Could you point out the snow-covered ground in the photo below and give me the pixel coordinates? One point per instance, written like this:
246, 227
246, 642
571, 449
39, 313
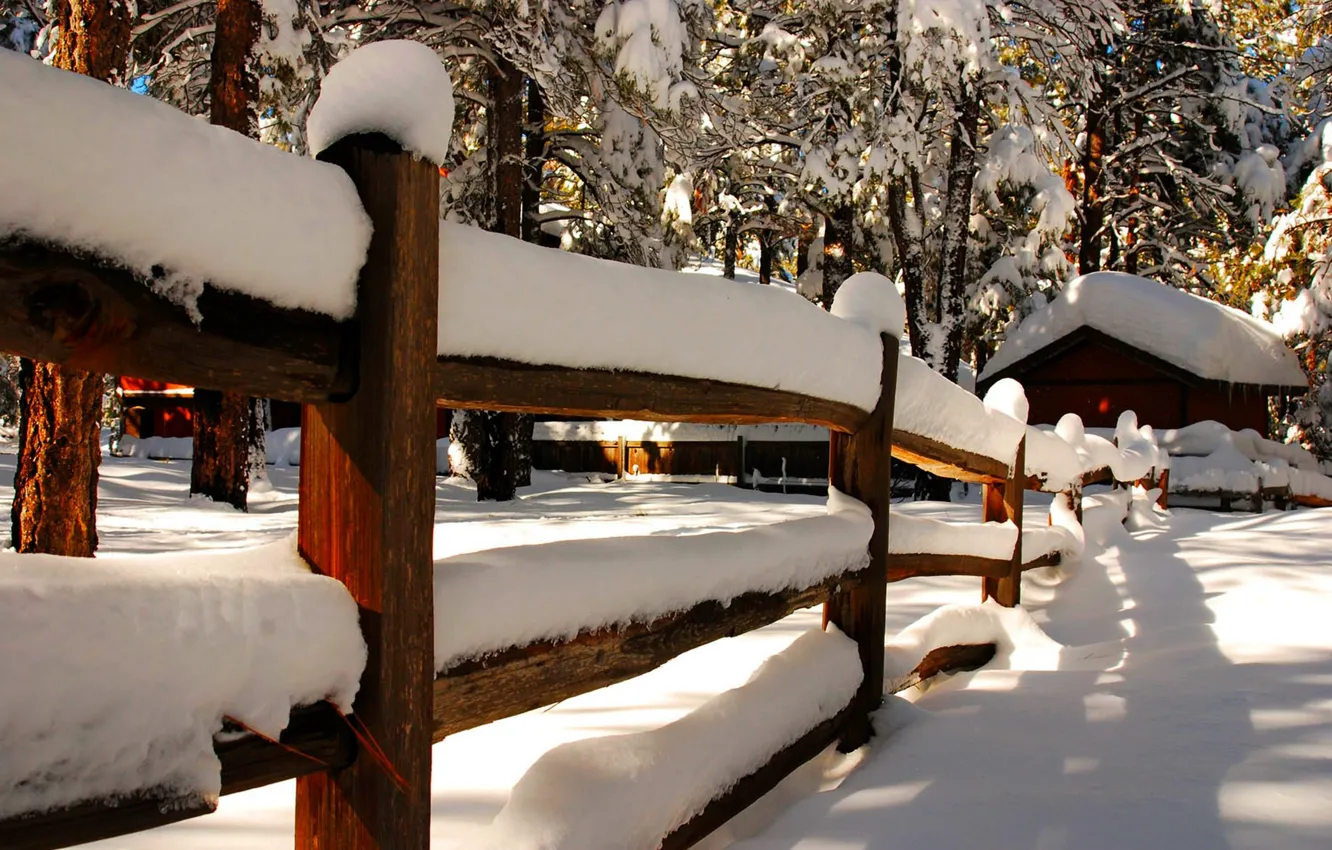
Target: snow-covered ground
1187, 702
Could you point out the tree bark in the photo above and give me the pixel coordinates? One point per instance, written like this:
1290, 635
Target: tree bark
534, 146
261, 421
497, 445
221, 447
233, 87
767, 250
911, 263
222, 420
94, 38
957, 232
730, 246
838, 238
55, 476
55, 479
1093, 178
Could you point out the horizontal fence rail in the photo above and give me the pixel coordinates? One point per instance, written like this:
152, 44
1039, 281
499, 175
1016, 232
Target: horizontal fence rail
520, 679
77, 311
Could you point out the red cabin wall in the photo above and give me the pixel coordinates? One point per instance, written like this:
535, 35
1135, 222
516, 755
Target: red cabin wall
1099, 383
1237, 409
1157, 403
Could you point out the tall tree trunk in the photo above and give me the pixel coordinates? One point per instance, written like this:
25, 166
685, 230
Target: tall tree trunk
1093, 179
730, 245
534, 167
962, 167
838, 239
261, 422
222, 420
492, 442
506, 144
767, 251
55, 476
911, 265
94, 38
534, 147
804, 242
233, 86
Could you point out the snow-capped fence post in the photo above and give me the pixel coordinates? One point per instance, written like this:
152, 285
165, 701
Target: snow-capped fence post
367, 508
1003, 503
859, 465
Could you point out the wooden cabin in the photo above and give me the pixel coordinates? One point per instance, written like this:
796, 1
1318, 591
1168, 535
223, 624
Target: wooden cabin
1113, 342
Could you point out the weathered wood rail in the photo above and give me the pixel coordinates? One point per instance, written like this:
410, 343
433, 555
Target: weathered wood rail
366, 512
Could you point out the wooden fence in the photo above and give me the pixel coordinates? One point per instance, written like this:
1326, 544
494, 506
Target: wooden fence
369, 388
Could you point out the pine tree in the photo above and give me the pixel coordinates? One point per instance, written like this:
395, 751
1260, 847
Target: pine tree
1155, 167
55, 478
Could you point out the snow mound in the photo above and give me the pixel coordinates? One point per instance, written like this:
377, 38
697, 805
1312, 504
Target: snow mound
172, 198
118, 671
909, 535
586, 313
1222, 343
1203, 438
1020, 642
1138, 452
1304, 483
1053, 459
398, 88
928, 404
1225, 470
627, 792
1063, 535
873, 302
1008, 396
555, 590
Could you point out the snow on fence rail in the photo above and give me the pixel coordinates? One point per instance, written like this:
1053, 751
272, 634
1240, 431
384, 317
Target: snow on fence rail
1214, 465
423, 296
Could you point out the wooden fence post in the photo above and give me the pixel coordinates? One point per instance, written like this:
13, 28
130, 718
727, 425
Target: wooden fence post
367, 508
1003, 502
860, 466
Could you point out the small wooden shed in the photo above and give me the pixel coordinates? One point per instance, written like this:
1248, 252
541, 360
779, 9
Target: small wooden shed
1113, 342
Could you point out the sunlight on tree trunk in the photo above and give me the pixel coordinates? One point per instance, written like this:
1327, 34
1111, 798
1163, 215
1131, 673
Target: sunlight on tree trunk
55, 477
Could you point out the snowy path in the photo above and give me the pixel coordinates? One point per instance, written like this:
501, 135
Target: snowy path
1191, 707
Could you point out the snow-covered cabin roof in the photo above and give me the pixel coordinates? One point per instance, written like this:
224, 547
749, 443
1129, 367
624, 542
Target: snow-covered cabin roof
1192, 333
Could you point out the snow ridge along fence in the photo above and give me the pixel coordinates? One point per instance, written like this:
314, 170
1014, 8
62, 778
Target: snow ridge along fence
369, 386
